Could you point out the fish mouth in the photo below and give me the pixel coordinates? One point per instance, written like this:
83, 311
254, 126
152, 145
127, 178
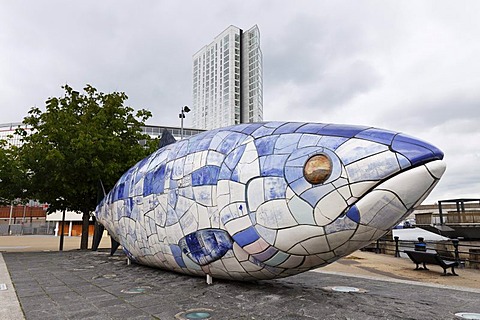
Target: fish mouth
392, 200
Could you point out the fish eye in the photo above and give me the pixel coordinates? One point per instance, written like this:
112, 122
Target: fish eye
317, 169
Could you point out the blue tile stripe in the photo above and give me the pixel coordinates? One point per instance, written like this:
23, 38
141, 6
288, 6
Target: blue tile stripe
246, 236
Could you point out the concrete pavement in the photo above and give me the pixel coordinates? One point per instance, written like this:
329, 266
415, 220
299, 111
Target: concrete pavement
92, 285
9, 305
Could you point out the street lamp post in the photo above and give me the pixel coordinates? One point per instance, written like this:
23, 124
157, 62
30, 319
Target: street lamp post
182, 116
61, 200
10, 219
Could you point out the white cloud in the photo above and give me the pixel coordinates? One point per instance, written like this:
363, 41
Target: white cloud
409, 66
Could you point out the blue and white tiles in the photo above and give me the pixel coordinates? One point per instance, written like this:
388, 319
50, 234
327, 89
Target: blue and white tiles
268, 200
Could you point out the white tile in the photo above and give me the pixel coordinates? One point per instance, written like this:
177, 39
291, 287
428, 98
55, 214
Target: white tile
275, 214
268, 235
237, 225
215, 158
174, 233
247, 140
329, 208
380, 209
218, 138
298, 250
340, 182
250, 267
223, 193
326, 256
188, 222
287, 238
292, 262
409, 186
177, 169
289, 194
309, 140
214, 217
240, 254
233, 211
345, 192
182, 205
200, 160
436, 168
277, 259
190, 264
313, 261
203, 194
189, 164
376, 167
255, 193
157, 160
203, 220
257, 246
359, 188
355, 149
248, 166
237, 191
301, 210
232, 265
339, 238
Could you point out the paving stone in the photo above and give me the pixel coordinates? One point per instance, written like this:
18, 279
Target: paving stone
87, 294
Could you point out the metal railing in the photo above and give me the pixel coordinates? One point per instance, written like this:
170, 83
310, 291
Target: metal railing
452, 217
466, 254
40, 228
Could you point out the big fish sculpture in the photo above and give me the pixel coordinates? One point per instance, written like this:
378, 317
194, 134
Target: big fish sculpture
267, 200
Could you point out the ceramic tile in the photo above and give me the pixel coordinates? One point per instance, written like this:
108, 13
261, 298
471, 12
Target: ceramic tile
234, 202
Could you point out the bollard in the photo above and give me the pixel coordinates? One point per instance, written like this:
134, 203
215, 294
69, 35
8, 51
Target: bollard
209, 279
397, 252
457, 255
377, 248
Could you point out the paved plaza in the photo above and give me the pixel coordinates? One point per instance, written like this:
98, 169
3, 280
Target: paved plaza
94, 285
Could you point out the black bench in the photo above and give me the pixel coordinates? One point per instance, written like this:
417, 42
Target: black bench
431, 257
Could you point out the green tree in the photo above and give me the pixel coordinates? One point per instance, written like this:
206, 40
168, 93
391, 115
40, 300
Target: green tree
13, 178
79, 140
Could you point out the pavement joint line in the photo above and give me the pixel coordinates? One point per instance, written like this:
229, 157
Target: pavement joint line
410, 282
9, 305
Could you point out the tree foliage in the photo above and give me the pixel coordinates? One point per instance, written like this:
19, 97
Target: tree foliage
13, 179
79, 140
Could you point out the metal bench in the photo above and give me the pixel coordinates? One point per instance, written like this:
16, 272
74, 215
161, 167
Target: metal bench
431, 257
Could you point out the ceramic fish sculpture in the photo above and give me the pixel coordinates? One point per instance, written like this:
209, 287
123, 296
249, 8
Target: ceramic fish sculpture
267, 200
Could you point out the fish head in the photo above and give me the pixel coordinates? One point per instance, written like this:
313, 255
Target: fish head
327, 190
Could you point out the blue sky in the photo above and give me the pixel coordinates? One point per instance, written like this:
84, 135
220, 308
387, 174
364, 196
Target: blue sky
409, 66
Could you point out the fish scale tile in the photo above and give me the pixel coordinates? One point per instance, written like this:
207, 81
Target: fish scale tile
234, 203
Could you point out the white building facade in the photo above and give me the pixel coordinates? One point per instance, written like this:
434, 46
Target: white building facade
7, 133
228, 80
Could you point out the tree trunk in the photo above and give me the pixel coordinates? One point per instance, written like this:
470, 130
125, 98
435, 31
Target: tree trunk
84, 240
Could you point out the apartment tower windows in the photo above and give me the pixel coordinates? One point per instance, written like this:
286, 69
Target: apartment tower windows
227, 80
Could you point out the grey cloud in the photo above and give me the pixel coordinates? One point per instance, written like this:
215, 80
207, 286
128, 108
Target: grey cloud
400, 66
297, 54
340, 86
458, 112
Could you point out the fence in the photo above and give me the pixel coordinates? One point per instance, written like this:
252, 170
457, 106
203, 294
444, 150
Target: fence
454, 249
41, 228
451, 217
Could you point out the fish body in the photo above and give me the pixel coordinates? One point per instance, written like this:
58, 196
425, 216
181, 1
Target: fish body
268, 200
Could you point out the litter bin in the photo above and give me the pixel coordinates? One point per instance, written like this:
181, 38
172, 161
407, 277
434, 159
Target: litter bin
420, 245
